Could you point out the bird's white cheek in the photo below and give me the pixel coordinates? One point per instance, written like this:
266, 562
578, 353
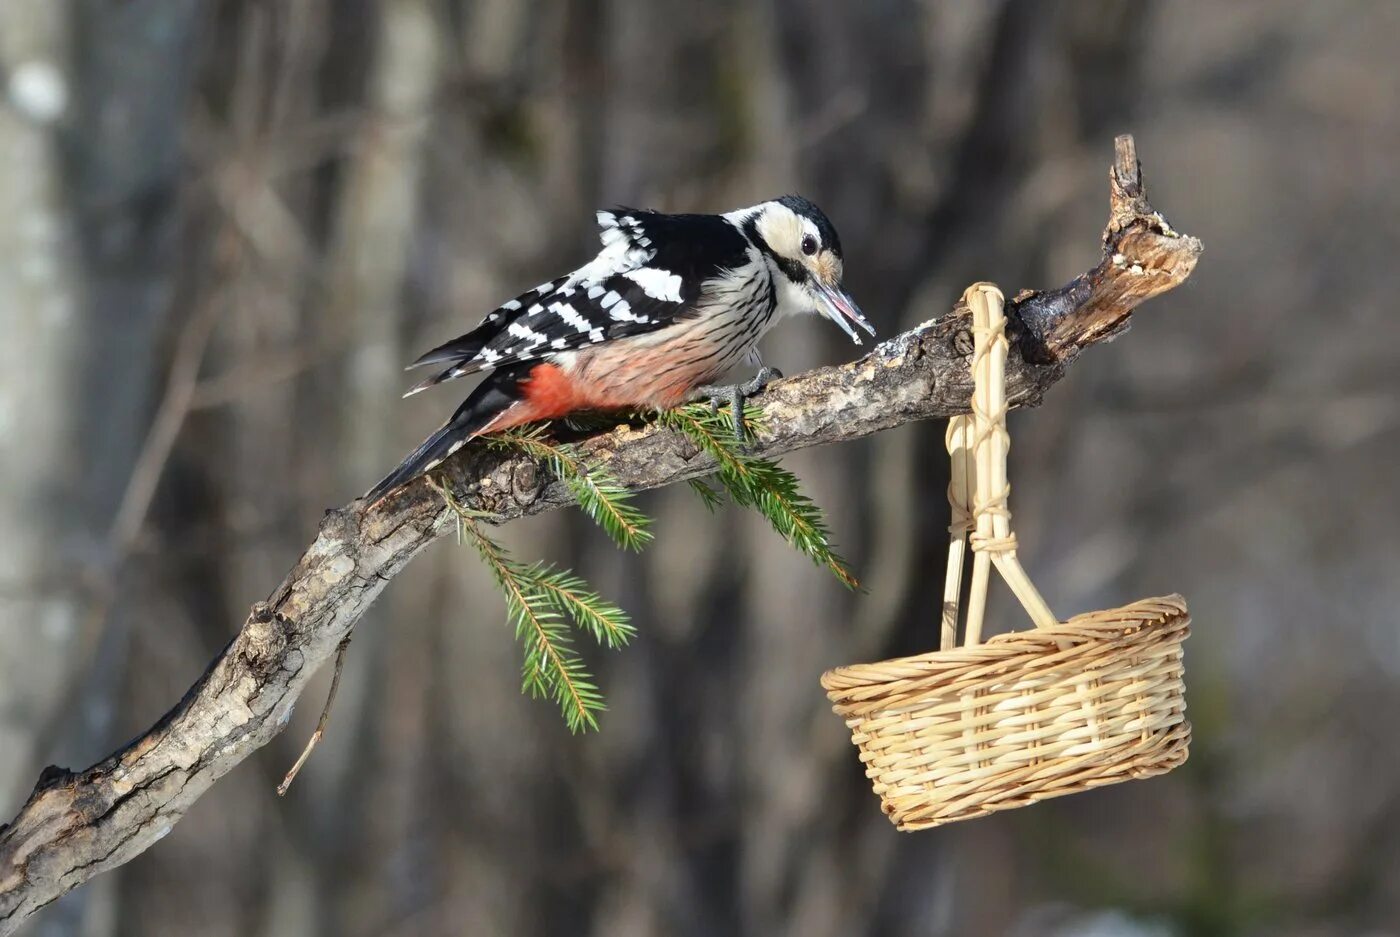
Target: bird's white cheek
794, 299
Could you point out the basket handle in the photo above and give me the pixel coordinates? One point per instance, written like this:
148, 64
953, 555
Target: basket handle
979, 489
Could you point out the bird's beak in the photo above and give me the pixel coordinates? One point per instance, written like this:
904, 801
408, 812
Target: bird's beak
839, 308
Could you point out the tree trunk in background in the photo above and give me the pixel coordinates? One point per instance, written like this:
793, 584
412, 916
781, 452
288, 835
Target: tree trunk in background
91, 146
373, 237
40, 392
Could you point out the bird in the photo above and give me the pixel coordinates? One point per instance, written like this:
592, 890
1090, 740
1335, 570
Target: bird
670, 303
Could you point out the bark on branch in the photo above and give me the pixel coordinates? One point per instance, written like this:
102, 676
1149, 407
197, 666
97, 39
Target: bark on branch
75, 825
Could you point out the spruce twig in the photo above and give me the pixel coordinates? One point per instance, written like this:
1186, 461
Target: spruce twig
601, 496
540, 602
708, 496
761, 484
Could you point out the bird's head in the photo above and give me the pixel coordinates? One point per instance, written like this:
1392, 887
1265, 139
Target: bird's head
804, 247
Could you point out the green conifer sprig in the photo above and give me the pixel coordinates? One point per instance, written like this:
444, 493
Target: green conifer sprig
541, 602
601, 496
761, 484
708, 496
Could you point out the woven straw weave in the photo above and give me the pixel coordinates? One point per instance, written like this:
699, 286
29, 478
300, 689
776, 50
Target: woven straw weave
965, 731
953, 735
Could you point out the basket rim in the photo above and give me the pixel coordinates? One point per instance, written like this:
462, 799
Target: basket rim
1131, 620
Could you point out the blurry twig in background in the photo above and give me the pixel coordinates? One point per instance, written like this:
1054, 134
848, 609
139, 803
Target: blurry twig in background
174, 407
76, 825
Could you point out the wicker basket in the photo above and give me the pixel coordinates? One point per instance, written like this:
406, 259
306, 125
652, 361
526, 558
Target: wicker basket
965, 731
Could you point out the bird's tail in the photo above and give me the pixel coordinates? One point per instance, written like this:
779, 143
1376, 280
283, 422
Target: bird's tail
447, 440
477, 414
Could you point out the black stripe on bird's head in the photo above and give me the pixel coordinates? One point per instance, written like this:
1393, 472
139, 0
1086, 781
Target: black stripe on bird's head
804, 245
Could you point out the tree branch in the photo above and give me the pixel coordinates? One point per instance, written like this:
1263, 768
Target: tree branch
76, 825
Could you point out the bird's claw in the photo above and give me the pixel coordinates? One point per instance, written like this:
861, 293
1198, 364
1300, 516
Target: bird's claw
757, 383
735, 394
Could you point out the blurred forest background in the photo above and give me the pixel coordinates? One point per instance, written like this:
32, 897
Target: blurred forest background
226, 226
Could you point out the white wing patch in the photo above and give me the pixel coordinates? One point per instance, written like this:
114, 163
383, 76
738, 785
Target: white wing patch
524, 332
570, 315
625, 247
658, 284
607, 228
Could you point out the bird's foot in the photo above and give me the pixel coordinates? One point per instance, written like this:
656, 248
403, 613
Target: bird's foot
735, 395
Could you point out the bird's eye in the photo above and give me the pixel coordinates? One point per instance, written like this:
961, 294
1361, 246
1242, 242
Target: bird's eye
809, 245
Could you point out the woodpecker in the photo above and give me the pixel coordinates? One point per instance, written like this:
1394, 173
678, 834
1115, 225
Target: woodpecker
670, 303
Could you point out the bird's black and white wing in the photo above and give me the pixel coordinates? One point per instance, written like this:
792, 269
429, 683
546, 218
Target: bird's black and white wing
652, 270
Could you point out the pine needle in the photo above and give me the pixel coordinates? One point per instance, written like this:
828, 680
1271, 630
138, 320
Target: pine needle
541, 602
708, 496
760, 484
601, 496
607, 622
